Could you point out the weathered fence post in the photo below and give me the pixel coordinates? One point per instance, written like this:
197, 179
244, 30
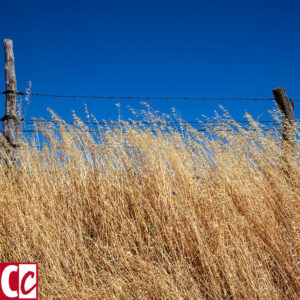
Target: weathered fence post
286, 106
9, 119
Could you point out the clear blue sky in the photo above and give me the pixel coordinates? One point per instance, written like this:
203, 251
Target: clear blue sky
165, 48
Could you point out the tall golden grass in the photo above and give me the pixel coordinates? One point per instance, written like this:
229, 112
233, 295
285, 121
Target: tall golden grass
139, 213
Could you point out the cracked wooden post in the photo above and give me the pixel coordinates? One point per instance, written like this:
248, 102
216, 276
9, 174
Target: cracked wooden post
9, 119
286, 106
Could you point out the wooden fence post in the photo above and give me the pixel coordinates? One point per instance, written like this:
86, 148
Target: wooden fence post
9, 119
286, 106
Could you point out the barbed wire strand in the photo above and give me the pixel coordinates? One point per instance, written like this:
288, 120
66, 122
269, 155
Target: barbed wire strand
167, 123
170, 131
146, 98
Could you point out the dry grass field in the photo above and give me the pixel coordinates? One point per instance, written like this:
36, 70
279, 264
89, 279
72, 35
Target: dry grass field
139, 213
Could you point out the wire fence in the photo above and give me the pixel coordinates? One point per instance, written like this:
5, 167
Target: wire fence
27, 124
